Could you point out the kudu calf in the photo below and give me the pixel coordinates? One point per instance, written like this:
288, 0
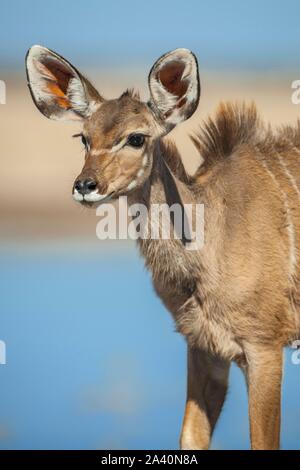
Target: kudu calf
236, 299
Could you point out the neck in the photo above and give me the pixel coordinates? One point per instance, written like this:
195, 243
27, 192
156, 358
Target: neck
168, 184
167, 153
168, 181
168, 256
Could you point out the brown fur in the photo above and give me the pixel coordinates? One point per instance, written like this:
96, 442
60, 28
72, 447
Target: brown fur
238, 298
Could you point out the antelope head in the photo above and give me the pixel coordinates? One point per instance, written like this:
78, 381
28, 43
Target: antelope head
119, 135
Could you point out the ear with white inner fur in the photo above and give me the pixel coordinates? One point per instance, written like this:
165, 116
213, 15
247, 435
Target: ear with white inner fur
175, 86
58, 90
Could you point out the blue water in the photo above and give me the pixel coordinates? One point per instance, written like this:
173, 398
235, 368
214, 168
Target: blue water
93, 360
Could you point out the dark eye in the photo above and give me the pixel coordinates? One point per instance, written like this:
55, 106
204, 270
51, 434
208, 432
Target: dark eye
136, 140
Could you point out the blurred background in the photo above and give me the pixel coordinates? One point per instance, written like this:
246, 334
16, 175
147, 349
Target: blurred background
92, 358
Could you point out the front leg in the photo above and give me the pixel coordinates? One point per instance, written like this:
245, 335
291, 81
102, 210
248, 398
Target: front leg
206, 391
264, 375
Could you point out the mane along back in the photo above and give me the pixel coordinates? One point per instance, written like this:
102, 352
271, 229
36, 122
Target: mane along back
233, 126
289, 136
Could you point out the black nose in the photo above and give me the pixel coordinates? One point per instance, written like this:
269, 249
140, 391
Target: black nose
85, 186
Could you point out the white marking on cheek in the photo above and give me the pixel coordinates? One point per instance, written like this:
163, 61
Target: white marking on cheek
94, 196
140, 173
95, 152
98, 152
132, 185
117, 147
77, 196
145, 160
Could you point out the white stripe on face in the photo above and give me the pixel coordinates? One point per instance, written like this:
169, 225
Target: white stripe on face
114, 149
118, 146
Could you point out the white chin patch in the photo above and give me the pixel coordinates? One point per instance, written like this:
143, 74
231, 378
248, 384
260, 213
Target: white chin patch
94, 196
77, 196
91, 197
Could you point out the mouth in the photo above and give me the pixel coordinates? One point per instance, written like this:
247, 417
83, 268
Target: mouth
92, 198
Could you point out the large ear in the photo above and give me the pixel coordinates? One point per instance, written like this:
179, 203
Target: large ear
58, 90
175, 86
